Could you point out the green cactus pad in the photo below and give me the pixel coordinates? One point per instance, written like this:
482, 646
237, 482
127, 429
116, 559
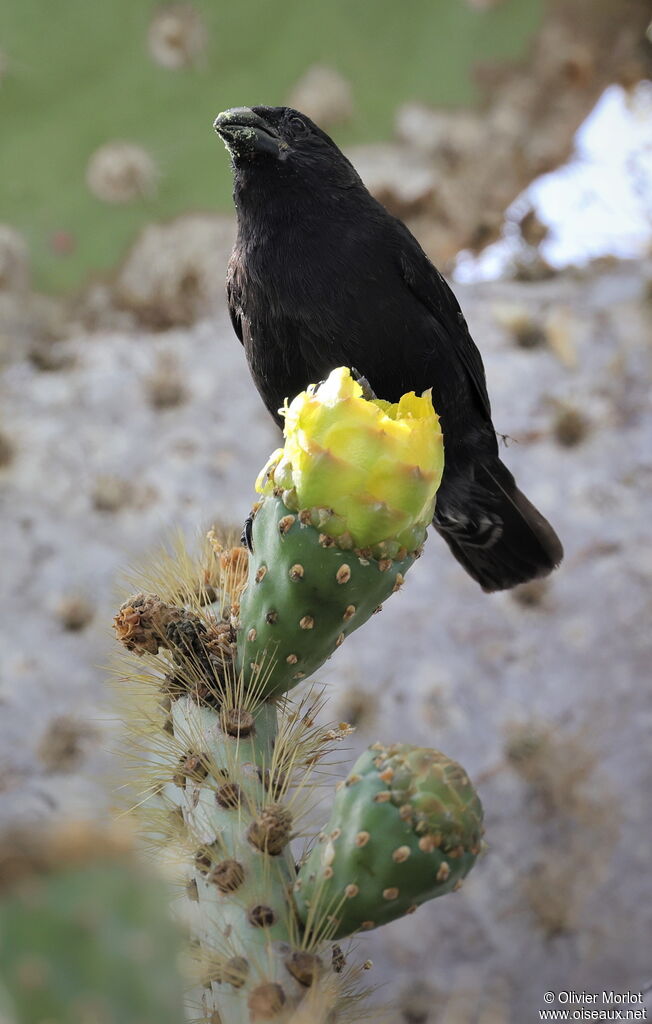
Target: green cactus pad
406, 827
304, 595
91, 942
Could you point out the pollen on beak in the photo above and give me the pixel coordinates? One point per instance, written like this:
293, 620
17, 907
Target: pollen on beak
246, 134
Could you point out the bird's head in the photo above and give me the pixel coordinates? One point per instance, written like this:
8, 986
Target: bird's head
281, 144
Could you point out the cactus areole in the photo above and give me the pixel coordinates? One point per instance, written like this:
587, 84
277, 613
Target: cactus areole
345, 508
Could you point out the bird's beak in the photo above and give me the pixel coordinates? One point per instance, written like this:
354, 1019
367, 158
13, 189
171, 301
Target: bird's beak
246, 134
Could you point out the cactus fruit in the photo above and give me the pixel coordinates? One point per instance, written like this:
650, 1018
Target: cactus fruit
85, 932
405, 827
303, 597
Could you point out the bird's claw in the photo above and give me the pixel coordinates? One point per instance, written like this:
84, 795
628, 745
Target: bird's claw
367, 390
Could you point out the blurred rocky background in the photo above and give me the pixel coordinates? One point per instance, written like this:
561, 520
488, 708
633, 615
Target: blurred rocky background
126, 414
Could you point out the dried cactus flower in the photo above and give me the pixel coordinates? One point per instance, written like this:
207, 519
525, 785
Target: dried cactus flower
142, 621
121, 172
235, 561
177, 36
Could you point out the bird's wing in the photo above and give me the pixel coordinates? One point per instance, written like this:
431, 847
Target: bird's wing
429, 287
233, 297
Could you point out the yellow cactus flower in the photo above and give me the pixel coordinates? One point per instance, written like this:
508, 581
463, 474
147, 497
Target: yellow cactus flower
368, 469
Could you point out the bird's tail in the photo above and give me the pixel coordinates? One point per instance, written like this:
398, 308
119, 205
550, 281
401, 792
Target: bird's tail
492, 529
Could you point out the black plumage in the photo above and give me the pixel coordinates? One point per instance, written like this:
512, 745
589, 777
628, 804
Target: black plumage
321, 276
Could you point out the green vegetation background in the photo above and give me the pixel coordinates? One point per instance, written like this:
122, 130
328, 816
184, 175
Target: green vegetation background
80, 75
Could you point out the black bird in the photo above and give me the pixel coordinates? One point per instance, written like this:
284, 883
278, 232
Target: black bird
321, 276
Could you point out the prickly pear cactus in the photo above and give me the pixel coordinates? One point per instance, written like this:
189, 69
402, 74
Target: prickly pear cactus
405, 827
88, 939
304, 596
343, 513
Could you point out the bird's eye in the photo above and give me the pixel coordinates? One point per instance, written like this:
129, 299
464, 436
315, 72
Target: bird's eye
298, 126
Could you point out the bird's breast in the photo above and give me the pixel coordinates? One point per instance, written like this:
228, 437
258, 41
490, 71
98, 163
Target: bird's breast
315, 303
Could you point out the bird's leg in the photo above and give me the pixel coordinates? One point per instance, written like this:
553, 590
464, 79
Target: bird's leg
245, 538
367, 390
